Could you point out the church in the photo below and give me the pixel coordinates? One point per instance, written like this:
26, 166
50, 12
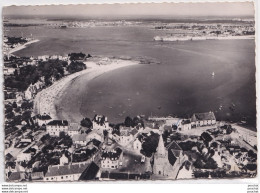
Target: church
168, 160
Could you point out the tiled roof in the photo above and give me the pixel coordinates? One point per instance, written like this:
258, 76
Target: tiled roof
66, 169
58, 123
203, 116
134, 131
74, 127
79, 137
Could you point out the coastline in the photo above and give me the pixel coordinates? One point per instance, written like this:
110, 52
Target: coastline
188, 38
48, 99
22, 46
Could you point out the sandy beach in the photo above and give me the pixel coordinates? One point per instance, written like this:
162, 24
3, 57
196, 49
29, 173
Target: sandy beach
46, 101
22, 46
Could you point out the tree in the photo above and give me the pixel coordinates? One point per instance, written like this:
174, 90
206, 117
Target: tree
86, 122
26, 115
129, 122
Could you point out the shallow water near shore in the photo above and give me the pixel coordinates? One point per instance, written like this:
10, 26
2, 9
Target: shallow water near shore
180, 85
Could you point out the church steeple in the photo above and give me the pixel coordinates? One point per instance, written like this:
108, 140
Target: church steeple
160, 151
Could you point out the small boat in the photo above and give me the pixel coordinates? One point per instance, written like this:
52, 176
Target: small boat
213, 74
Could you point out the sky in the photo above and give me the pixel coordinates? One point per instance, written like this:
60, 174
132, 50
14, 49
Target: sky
149, 9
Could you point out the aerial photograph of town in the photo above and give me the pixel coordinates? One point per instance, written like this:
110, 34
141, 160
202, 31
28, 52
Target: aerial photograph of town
132, 92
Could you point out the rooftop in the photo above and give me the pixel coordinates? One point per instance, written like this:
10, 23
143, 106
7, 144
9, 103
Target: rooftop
203, 116
66, 169
58, 123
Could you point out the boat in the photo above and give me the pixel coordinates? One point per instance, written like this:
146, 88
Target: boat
213, 74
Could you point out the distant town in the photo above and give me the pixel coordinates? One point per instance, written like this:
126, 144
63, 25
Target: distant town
40, 147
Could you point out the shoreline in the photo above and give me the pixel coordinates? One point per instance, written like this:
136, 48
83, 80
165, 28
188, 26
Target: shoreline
22, 46
188, 38
46, 100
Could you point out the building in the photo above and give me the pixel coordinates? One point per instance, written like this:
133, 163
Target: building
100, 123
94, 135
137, 145
167, 161
23, 157
203, 119
63, 160
73, 129
55, 127
70, 172
127, 135
79, 139
111, 159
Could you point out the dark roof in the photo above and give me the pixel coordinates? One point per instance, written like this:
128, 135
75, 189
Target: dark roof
171, 157
186, 121
66, 169
112, 154
203, 116
9, 157
206, 137
134, 131
44, 117
90, 172
59, 123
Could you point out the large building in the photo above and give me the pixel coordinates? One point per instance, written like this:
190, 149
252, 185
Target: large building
111, 159
65, 173
203, 119
167, 161
55, 127
74, 129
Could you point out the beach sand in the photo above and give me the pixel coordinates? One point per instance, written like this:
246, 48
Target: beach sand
22, 46
48, 99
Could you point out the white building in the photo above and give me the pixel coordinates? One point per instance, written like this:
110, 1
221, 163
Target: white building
79, 139
23, 157
100, 123
63, 160
65, 173
203, 119
111, 159
55, 127
137, 145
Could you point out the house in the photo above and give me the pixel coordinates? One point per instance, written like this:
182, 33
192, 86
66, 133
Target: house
79, 139
100, 123
63, 160
137, 145
90, 172
23, 157
203, 119
43, 119
73, 129
126, 136
55, 127
37, 176
70, 172
185, 125
94, 135
16, 177
111, 159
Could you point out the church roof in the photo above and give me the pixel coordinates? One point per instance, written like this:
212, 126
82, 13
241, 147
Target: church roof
160, 148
